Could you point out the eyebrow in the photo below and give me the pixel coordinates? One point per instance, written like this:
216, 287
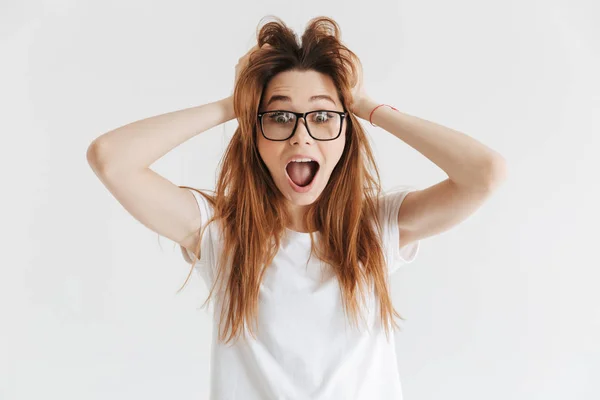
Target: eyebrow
280, 97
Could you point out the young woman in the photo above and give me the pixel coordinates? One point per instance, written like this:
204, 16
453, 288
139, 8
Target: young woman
298, 239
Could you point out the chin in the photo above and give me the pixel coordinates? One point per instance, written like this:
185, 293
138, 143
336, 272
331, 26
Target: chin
302, 200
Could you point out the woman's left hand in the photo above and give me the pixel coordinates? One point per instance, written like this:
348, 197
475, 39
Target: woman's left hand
361, 102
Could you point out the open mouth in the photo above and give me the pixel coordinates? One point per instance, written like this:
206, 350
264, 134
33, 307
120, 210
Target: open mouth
302, 173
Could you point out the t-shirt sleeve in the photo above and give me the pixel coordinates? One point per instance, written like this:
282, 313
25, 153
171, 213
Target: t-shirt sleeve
388, 207
206, 249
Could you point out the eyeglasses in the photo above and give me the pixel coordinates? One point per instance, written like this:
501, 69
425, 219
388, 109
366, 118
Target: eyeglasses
279, 125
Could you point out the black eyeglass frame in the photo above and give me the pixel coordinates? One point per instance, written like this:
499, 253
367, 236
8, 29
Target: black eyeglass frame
298, 115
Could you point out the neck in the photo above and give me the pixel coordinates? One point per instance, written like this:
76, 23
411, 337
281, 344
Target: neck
297, 214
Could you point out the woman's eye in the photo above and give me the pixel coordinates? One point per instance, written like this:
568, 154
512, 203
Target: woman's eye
322, 117
280, 118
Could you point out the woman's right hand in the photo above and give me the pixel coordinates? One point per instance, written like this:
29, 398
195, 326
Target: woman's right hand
244, 60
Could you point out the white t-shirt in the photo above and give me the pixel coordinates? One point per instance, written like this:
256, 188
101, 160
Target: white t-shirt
306, 348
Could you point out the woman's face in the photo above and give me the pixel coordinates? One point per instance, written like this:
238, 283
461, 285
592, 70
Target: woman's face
298, 87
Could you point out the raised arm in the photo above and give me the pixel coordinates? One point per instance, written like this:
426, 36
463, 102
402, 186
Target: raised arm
122, 157
474, 172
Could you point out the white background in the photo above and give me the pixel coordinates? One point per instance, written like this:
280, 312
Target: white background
503, 306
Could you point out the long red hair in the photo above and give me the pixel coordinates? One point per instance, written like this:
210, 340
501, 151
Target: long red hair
345, 213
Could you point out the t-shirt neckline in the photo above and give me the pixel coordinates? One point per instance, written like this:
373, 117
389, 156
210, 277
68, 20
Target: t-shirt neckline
296, 233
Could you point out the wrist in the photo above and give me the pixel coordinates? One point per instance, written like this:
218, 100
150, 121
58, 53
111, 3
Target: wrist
365, 106
373, 114
228, 111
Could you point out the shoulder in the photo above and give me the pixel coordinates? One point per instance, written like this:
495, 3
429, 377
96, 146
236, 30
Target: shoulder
389, 202
205, 212
397, 245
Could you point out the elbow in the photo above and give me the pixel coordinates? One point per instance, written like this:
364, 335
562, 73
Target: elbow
96, 156
496, 172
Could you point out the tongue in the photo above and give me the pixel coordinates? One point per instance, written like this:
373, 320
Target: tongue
302, 173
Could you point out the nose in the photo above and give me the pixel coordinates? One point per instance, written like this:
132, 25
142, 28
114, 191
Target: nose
301, 134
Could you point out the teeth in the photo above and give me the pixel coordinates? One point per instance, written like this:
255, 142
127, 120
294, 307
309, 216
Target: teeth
302, 160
